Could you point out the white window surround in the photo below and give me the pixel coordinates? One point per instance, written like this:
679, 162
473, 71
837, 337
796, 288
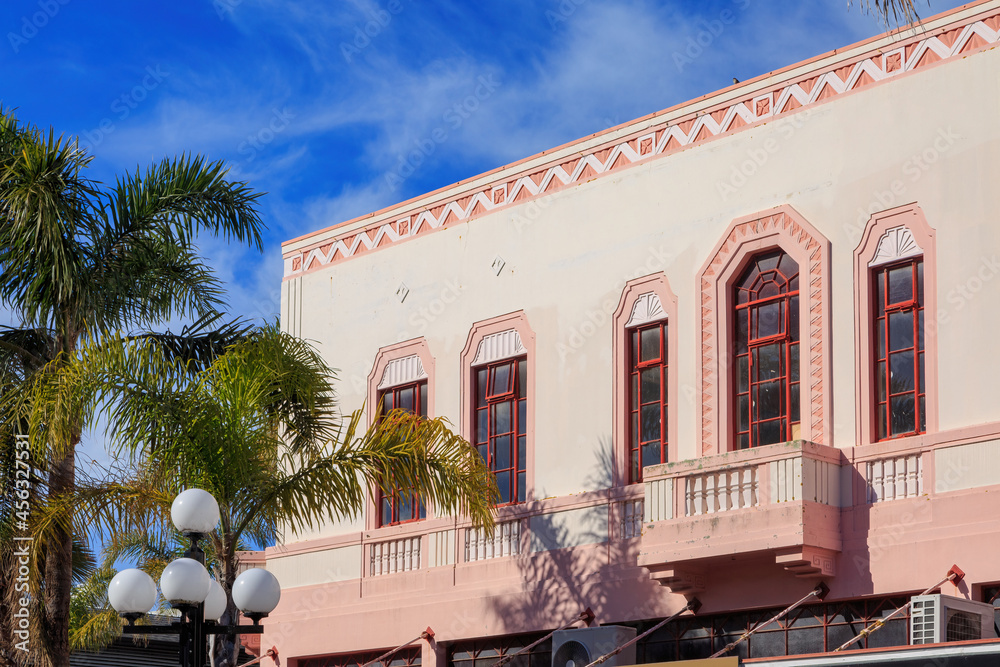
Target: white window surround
895, 244
402, 371
502, 345
647, 308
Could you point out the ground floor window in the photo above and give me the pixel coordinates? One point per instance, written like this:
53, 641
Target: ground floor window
408, 657
485, 652
811, 629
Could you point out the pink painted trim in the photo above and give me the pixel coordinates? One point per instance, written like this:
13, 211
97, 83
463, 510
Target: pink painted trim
913, 218
517, 321
419, 347
655, 135
780, 227
657, 284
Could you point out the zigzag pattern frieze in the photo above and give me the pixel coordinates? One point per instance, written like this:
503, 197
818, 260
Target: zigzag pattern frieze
872, 67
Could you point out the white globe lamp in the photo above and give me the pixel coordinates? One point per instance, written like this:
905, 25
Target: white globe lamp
256, 592
132, 592
195, 511
215, 602
185, 581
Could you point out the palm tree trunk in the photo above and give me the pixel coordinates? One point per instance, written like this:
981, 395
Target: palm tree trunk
225, 651
59, 564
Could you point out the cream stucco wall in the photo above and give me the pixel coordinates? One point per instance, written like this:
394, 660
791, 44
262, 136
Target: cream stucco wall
567, 256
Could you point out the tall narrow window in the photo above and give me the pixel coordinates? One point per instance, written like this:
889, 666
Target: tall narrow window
766, 351
500, 418
402, 506
901, 401
647, 398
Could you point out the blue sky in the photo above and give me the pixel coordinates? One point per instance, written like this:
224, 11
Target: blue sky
323, 103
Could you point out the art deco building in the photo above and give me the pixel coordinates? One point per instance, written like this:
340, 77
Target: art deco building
730, 350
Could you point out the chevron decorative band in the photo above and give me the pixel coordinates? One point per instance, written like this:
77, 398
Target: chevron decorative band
650, 142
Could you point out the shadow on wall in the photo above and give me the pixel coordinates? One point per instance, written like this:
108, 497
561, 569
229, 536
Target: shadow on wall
577, 558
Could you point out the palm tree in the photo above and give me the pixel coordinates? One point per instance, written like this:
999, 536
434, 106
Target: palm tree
890, 10
257, 428
78, 261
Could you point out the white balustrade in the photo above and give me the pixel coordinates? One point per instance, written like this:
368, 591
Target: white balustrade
630, 515
503, 540
894, 478
708, 493
400, 555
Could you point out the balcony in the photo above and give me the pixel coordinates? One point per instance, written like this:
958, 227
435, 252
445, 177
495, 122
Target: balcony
782, 500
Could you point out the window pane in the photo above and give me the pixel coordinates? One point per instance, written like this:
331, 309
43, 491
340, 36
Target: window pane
481, 427
793, 318
900, 284
743, 442
788, 266
900, 330
650, 454
881, 381
903, 416
520, 487
742, 332
768, 361
634, 347
768, 433
481, 376
407, 398
503, 481
522, 378
650, 389
423, 399
743, 373
769, 288
769, 319
769, 400
769, 262
522, 416
501, 417
650, 416
743, 412
649, 344
501, 380
405, 506
880, 293
923, 414
387, 403
522, 453
482, 452
920, 283
386, 510
880, 421
901, 368
923, 386
501, 449
634, 391
793, 369
635, 429
880, 336
794, 400
920, 330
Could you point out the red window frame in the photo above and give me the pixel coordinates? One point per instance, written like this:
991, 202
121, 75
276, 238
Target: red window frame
766, 378
401, 506
898, 375
499, 419
648, 399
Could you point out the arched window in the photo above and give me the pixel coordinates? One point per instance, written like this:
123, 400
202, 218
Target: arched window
766, 350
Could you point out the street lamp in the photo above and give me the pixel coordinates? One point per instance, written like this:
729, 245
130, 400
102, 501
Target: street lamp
187, 586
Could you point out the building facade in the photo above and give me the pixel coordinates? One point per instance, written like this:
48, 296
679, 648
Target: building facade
728, 350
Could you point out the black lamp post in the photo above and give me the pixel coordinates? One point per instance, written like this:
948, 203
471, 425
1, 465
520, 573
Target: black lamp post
187, 586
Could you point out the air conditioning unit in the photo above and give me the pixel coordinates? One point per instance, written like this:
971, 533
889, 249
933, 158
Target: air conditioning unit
943, 618
582, 646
